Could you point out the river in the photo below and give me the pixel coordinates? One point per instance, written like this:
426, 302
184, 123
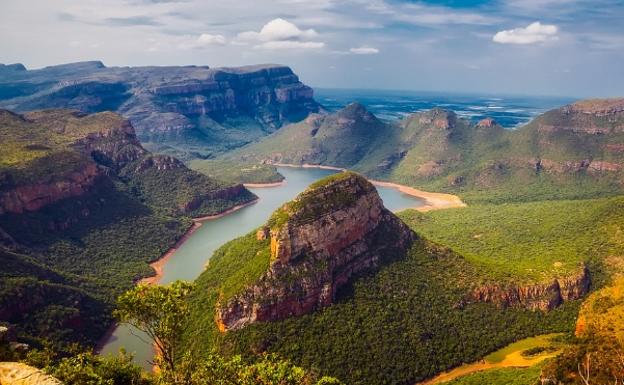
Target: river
191, 257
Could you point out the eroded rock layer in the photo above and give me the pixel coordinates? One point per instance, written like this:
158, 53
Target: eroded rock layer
336, 229
543, 296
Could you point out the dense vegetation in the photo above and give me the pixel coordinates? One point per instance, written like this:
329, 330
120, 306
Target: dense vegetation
504, 376
557, 156
174, 188
596, 356
97, 259
374, 336
532, 241
67, 262
410, 308
235, 172
159, 311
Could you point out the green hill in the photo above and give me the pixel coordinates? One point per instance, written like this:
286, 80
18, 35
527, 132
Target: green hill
415, 316
83, 209
568, 153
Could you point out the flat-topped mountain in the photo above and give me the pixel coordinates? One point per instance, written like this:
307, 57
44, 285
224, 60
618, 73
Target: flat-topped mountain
192, 108
83, 209
334, 230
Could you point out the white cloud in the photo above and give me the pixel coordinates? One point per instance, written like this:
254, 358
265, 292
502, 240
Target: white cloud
533, 33
208, 39
364, 50
202, 41
278, 29
290, 44
280, 34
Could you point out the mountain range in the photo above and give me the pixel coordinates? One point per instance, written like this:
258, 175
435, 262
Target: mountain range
192, 111
574, 149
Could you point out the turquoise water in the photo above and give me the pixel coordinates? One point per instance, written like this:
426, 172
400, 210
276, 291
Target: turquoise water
189, 260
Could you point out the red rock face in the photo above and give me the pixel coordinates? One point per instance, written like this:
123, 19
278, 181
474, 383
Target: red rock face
486, 123
546, 296
312, 257
35, 196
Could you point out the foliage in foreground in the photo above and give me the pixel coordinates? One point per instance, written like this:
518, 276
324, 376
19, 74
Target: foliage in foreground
159, 311
597, 356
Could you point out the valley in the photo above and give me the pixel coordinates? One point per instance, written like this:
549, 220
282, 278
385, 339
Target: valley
355, 247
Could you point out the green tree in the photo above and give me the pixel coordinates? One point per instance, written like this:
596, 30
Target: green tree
89, 369
159, 311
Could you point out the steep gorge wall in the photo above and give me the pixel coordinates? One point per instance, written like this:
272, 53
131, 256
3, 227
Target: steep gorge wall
543, 296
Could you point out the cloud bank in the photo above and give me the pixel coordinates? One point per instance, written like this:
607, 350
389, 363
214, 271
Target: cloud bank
280, 34
531, 34
364, 50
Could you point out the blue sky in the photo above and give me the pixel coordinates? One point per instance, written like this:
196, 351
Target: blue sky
536, 47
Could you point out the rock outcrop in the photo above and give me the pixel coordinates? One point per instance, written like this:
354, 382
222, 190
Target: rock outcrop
544, 296
331, 232
32, 197
15, 373
64, 154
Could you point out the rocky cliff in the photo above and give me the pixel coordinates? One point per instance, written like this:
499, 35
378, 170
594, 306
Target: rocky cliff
318, 242
542, 296
58, 154
194, 107
15, 373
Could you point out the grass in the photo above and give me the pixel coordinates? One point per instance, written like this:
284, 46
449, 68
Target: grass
522, 345
234, 172
530, 242
504, 376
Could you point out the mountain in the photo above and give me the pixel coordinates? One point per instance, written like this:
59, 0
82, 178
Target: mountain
331, 232
574, 151
83, 209
189, 111
335, 282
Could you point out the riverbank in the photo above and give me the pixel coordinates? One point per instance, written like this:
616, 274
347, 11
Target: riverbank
507, 357
159, 264
433, 201
263, 185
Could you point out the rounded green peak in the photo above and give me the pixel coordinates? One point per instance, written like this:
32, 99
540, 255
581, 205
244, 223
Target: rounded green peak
328, 194
333, 179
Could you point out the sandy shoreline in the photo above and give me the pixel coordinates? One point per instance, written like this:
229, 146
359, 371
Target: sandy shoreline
159, 264
263, 185
433, 201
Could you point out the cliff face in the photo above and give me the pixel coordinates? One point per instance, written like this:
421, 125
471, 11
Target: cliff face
318, 242
203, 108
58, 154
32, 197
545, 296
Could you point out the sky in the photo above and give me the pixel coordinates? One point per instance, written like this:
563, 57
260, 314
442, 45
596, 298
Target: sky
531, 47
